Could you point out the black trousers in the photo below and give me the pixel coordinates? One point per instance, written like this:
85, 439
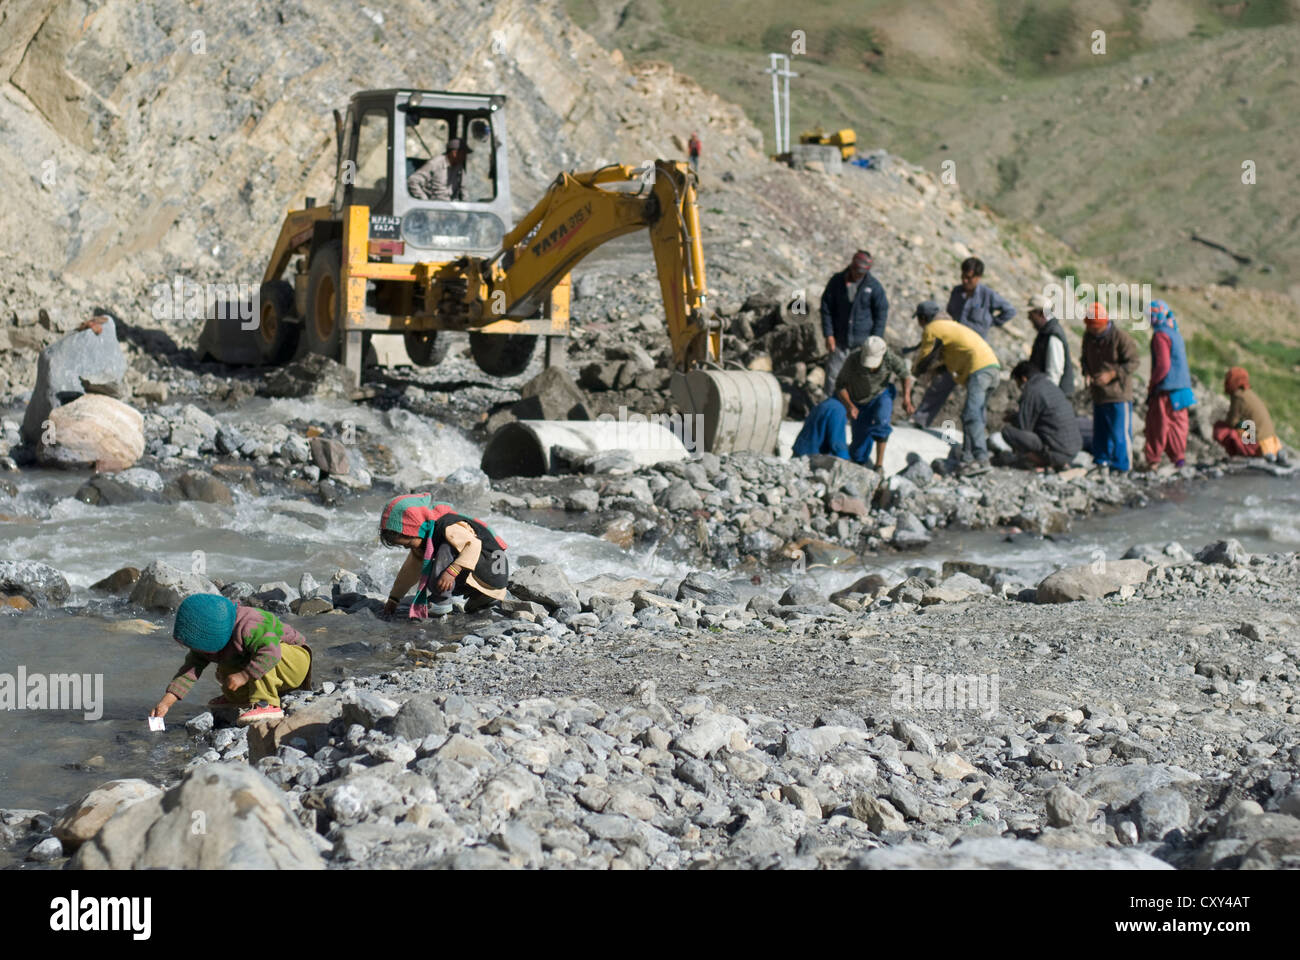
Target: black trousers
1025, 441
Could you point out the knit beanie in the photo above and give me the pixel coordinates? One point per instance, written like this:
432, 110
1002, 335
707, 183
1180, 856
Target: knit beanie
1095, 319
1237, 379
204, 622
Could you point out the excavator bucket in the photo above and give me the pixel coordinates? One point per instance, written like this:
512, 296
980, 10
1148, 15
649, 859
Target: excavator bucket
742, 409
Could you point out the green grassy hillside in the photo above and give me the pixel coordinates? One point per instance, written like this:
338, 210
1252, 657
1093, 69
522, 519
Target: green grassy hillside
1124, 155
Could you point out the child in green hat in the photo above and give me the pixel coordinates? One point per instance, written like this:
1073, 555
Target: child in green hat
258, 657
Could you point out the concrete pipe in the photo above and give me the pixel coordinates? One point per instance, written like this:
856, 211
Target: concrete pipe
523, 448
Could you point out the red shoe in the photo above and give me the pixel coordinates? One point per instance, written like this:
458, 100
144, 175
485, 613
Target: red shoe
257, 714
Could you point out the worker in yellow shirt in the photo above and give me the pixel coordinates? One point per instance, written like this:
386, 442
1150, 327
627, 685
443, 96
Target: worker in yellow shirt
972, 363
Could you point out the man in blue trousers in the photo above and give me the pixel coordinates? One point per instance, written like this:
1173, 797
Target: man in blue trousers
867, 386
824, 431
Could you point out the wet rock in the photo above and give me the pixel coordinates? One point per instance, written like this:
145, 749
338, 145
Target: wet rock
197, 485
1158, 554
61, 368
312, 376
46, 851
910, 533
37, 582
310, 606
163, 587
92, 431
119, 582
330, 455
1090, 581
247, 826
547, 584
83, 819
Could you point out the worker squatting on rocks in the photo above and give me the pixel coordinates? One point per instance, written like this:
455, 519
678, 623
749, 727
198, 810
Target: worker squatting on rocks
1169, 393
969, 361
1044, 431
1248, 430
854, 308
1109, 360
450, 554
971, 304
259, 658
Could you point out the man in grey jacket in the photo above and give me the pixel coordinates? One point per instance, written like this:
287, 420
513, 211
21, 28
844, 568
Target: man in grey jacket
854, 309
974, 305
1045, 431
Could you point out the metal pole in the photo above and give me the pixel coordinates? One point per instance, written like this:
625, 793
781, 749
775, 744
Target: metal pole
785, 69
776, 101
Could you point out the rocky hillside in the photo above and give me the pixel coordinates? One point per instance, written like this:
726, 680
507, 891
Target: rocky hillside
162, 138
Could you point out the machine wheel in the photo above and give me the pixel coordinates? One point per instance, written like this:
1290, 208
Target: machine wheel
425, 347
323, 325
502, 354
277, 335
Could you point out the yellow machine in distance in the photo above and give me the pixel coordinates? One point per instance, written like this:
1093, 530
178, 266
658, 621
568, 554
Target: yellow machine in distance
845, 139
380, 260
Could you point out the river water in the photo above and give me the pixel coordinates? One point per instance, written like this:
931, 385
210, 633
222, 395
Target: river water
47, 757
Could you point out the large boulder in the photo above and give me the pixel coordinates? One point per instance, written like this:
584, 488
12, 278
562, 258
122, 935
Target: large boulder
221, 816
95, 358
163, 587
551, 395
38, 582
1089, 581
83, 819
547, 584
312, 376
92, 430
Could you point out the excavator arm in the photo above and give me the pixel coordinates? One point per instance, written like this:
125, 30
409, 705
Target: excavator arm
577, 215
735, 409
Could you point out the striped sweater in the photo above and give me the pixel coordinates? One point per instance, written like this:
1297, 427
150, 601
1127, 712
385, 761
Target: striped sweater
254, 648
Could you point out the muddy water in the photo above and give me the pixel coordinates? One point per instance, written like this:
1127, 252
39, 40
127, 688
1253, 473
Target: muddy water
48, 756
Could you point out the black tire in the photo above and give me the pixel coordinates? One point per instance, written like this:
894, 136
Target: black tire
322, 328
425, 347
277, 333
502, 354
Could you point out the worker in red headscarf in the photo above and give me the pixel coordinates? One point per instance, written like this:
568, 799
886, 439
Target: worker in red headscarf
1109, 360
1248, 430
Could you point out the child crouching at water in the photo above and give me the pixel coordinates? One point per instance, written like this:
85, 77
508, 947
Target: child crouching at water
449, 554
258, 657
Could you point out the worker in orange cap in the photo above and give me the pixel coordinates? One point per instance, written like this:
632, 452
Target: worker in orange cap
1109, 360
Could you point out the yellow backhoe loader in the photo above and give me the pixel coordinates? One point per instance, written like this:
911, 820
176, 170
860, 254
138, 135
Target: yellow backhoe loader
379, 261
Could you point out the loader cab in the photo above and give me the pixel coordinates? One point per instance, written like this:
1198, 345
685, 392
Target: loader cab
387, 136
